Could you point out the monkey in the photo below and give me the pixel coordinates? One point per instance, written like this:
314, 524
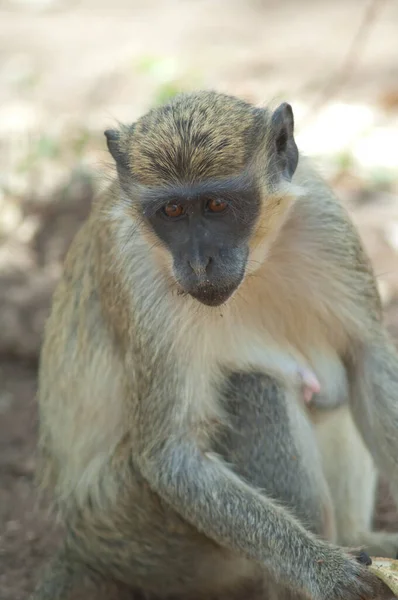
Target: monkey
216, 272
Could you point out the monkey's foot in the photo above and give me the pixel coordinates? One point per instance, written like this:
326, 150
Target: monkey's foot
378, 543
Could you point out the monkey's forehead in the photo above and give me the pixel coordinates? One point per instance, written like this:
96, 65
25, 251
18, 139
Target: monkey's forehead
195, 136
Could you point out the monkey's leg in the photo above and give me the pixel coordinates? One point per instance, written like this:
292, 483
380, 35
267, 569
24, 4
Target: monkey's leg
373, 374
352, 479
350, 473
60, 579
65, 578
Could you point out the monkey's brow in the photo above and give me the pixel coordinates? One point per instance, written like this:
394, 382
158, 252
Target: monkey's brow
231, 188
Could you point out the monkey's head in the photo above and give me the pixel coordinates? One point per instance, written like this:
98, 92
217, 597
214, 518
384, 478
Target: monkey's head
207, 175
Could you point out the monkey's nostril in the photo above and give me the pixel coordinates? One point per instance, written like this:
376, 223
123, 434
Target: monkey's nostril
199, 267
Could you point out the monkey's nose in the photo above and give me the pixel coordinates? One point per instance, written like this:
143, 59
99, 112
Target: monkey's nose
200, 266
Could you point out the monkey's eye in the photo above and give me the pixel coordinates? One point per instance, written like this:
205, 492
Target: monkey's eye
216, 205
173, 210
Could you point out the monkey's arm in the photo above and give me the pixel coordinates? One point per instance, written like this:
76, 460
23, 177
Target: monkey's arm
374, 401
217, 502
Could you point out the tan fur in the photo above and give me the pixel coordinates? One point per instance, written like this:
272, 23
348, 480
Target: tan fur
309, 297
191, 139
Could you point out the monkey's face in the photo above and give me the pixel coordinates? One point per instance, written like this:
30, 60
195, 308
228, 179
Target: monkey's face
194, 169
207, 228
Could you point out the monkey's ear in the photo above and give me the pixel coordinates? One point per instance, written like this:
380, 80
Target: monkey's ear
282, 124
113, 143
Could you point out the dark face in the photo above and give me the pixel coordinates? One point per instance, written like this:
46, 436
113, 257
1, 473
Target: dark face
206, 228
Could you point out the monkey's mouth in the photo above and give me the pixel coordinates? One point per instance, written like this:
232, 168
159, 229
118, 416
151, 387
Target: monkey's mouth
211, 289
213, 295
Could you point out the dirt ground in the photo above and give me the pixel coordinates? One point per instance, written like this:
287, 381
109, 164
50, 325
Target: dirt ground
68, 70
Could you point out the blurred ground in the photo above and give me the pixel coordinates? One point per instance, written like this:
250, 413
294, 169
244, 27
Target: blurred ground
69, 70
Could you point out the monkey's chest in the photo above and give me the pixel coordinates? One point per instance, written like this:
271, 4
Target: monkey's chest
281, 359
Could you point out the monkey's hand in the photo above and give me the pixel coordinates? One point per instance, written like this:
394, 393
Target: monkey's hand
346, 577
